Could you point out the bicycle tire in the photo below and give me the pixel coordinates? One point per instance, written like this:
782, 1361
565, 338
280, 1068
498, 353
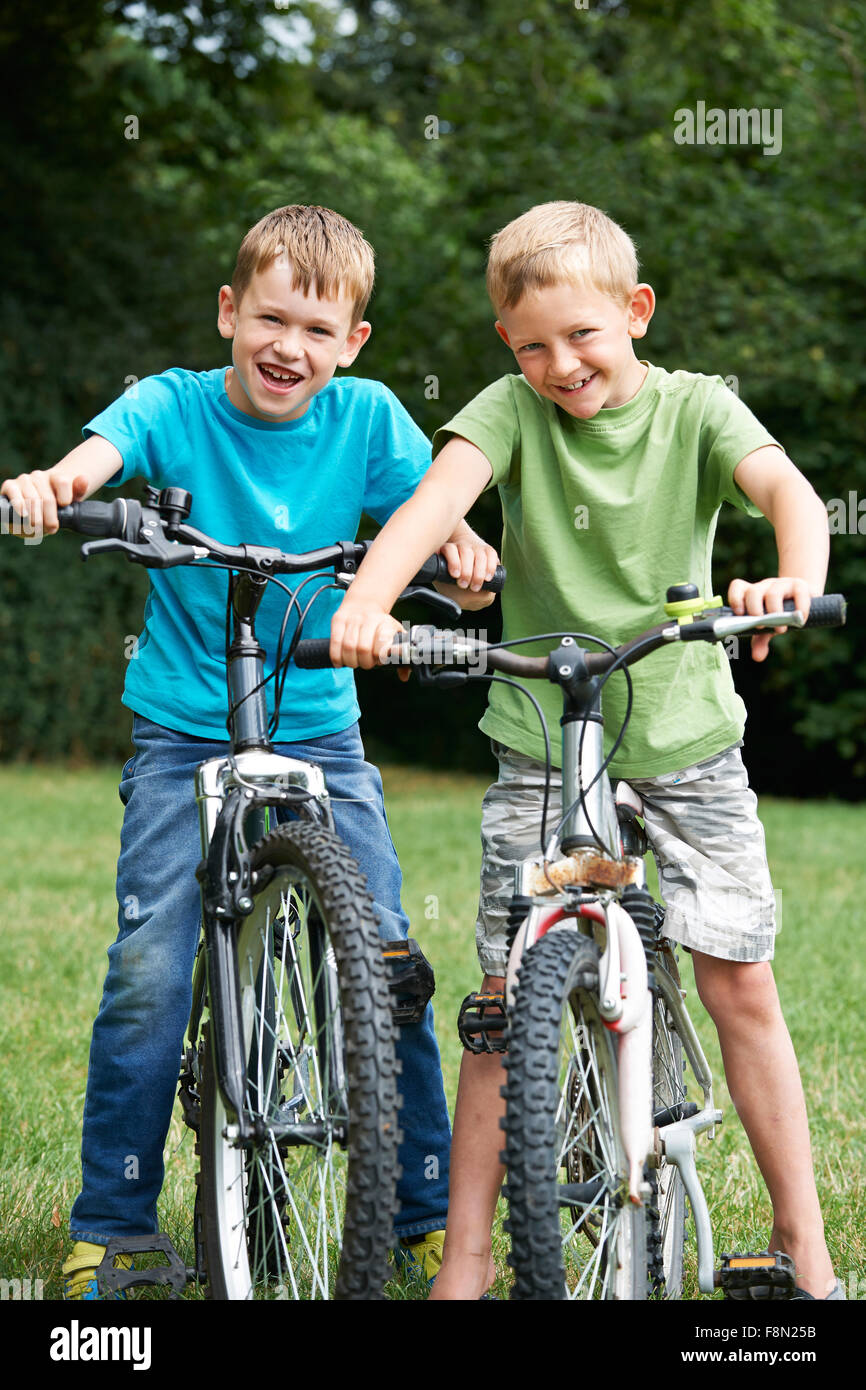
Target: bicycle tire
667, 1226
562, 1126
314, 1219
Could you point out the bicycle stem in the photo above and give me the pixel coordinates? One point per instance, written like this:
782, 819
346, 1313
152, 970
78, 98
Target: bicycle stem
594, 816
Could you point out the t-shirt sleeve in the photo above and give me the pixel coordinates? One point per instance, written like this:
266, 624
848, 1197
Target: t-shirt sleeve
398, 456
138, 424
729, 431
490, 422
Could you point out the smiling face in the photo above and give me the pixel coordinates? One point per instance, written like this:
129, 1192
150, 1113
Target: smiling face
285, 345
574, 346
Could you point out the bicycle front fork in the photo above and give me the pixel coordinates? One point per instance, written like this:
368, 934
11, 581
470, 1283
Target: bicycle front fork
235, 795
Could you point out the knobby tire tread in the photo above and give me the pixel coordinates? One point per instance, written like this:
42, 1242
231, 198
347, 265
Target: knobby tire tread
532, 1096
371, 1065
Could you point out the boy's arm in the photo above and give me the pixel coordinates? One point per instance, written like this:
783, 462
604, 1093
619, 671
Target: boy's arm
37, 495
361, 629
799, 518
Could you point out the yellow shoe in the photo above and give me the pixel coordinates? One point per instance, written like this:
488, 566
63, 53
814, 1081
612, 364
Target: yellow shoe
80, 1267
421, 1255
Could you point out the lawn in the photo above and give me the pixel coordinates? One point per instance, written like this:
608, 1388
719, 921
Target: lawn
59, 846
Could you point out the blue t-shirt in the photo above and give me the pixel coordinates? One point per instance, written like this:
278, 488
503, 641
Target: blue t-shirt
295, 486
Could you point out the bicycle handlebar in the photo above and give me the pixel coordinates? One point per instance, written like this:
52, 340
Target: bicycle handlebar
161, 541
429, 647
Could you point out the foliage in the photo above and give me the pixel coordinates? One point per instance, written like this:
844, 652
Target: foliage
431, 125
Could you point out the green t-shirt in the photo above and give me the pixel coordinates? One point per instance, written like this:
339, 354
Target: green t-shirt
600, 517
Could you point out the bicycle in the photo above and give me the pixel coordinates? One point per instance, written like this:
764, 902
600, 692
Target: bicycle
289, 1076
600, 1141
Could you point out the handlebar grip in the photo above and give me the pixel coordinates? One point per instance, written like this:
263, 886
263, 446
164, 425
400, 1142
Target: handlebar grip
825, 610
94, 518
90, 518
436, 568
313, 653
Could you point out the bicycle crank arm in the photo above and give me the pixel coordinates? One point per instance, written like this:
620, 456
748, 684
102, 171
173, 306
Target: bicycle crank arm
677, 1143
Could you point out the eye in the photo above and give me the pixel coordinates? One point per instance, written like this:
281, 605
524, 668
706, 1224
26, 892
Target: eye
270, 318
581, 332
530, 347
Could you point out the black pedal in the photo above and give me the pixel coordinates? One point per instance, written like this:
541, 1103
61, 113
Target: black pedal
413, 983
174, 1272
756, 1277
482, 1023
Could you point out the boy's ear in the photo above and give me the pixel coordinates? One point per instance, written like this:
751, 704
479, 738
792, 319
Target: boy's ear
355, 341
227, 317
640, 310
500, 329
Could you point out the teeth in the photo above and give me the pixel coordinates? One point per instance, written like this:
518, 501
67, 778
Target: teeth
575, 385
280, 376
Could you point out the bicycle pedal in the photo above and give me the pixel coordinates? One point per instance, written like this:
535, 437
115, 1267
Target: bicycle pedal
413, 983
758, 1277
482, 1022
174, 1272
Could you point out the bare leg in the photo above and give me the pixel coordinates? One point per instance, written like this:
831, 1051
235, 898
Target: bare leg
476, 1174
764, 1081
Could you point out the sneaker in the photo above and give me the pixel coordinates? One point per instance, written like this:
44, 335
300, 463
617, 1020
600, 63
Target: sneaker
80, 1269
837, 1291
421, 1255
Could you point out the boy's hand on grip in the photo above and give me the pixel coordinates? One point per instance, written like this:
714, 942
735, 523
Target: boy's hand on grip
767, 596
362, 634
36, 496
471, 561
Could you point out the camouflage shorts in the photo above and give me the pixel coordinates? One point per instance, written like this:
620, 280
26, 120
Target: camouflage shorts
708, 844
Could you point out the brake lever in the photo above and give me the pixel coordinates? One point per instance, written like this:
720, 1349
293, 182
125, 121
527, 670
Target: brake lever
717, 628
724, 627
154, 554
432, 599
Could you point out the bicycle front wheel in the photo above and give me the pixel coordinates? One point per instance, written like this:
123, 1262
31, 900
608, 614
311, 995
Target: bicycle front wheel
306, 1210
574, 1232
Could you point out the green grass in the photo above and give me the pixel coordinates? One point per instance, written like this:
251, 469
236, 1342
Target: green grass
60, 841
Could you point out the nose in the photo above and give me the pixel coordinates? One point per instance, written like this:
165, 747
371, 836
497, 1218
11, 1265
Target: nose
564, 360
287, 344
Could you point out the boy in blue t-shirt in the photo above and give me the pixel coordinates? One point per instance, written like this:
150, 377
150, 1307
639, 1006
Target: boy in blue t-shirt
277, 452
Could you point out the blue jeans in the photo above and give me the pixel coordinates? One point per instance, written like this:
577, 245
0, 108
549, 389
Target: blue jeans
139, 1031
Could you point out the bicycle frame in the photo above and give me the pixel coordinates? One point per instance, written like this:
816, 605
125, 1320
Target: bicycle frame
580, 891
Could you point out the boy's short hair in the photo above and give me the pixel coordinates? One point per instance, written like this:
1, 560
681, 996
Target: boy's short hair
561, 242
319, 244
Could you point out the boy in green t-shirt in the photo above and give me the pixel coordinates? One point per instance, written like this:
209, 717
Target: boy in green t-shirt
611, 474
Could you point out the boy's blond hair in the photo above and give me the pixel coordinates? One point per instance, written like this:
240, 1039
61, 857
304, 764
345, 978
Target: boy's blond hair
320, 246
561, 242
